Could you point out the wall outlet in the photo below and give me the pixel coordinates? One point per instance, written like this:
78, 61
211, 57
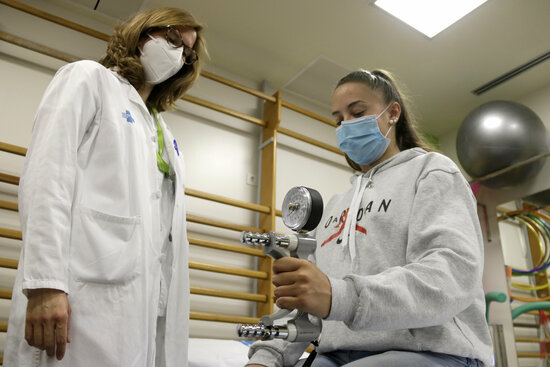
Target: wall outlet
251, 179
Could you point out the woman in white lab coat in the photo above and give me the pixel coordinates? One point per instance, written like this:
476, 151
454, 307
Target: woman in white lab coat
103, 276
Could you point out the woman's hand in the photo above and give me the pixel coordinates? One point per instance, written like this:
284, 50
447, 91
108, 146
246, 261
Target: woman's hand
48, 321
301, 285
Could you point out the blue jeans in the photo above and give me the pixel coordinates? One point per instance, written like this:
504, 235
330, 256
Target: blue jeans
352, 358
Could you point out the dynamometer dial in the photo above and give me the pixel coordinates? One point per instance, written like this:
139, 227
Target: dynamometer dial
302, 209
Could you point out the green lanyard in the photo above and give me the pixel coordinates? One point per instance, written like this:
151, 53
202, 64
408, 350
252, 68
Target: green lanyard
161, 163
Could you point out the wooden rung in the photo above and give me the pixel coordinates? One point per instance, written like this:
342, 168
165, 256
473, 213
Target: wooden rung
309, 140
222, 109
15, 149
36, 47
531, 340
11, 233
524, 324
221, 224
223, 318
8, 263
55, 19
5, 294
229, 294
228, 270
532, 355
225, 246
9, 205
307, 113
14, 180
229, 201
241, 87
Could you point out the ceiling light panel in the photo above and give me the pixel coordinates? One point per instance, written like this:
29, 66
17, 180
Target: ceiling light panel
429, 16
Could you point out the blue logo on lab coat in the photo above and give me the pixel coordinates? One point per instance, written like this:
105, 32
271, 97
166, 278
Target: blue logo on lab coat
176, 147
128, 116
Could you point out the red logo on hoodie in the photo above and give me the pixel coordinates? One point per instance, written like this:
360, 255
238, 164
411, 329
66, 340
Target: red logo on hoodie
340, 227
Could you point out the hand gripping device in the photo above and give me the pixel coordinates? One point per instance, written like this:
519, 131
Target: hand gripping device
302, 211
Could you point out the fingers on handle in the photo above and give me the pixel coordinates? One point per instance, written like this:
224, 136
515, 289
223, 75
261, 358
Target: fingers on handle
285, 264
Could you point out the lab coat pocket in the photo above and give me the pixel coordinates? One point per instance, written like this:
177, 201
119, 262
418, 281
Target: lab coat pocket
104, 248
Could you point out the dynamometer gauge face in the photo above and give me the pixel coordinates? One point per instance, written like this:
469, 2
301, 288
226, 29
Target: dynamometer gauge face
302, 209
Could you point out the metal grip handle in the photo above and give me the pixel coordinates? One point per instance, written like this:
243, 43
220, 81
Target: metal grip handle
251, 330
254, 239
273, 245
254, 331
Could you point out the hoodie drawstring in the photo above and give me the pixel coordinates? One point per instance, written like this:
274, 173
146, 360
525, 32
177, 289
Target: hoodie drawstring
348, 237
370, 182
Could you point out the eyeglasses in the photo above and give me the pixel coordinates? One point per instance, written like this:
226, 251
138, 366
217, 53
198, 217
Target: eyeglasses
173, 36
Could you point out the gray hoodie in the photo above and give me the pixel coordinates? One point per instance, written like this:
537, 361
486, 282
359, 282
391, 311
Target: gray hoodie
408, 277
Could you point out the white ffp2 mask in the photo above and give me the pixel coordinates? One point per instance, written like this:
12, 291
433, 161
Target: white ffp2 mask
160, 60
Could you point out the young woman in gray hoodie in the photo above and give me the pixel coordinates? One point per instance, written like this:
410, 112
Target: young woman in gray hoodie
396, 277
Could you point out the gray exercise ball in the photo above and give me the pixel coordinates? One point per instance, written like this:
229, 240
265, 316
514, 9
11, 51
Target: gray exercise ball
497, 135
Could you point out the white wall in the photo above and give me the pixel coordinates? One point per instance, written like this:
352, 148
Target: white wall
219, 150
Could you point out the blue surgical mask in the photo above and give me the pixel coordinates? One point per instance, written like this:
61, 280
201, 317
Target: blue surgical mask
362, 140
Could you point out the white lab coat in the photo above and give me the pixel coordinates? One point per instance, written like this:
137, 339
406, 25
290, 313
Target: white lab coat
89, 206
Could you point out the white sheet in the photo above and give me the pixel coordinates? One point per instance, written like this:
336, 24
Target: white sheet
218, 352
